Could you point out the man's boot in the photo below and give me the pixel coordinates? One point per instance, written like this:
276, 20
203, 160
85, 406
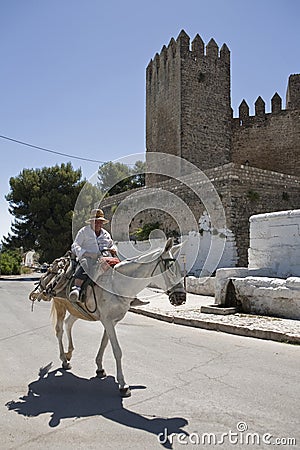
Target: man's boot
75, 294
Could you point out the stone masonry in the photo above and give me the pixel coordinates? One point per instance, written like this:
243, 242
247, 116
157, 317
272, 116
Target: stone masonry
188, 112
252, 161
244, 191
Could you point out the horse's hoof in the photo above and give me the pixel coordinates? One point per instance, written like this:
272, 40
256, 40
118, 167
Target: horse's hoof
100, 373
66, 366
125, 391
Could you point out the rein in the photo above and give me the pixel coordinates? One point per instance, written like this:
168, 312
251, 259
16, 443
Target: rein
177, 294
95, 300
164, 261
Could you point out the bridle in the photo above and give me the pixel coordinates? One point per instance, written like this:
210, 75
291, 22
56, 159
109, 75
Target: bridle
177, 294
164, 262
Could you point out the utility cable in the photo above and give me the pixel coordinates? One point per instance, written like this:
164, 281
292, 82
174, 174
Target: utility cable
51, 151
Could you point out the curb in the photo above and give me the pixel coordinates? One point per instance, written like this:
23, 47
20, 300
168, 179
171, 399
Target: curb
257, 333
224, 328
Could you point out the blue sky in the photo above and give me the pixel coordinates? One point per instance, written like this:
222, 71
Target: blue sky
72, 75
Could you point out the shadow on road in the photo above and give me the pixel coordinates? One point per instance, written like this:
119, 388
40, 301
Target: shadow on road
66, 395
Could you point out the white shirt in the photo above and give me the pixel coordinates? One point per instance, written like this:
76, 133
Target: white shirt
87, 241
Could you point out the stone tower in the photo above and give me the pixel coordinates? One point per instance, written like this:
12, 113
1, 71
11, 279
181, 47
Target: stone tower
253, 161
188, 104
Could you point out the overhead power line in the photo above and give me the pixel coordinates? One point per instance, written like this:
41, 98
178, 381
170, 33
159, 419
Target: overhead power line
51, 151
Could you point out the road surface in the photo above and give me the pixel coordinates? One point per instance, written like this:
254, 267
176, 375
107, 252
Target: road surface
210, 389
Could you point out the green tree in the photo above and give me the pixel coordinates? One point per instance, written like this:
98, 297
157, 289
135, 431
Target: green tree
10, 262
42, 203
142, 233
138, 172
118, 177
90, 197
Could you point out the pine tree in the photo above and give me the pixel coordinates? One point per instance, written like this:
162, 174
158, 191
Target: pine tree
118, 177
42, 202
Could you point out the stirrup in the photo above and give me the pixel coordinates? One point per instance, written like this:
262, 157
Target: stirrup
74, 294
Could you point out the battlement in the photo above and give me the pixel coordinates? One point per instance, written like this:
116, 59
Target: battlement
183, 47
292, 103
244, 118
268, 140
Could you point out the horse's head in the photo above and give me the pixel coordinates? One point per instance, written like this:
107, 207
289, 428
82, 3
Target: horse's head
171, 273
159, 267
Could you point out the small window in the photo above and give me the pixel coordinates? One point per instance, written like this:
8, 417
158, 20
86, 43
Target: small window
201, 77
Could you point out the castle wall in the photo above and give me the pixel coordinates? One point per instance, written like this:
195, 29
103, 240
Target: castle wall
244, 191
270, 141
252, 161
256, 191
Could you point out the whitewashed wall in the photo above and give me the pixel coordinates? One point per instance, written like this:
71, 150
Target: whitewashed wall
201, 254
275, 242
216, 249
28, 260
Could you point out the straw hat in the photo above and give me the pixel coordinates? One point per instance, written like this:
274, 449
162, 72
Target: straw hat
97, 214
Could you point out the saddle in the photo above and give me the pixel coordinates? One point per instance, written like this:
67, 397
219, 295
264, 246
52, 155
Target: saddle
105, 263
111, 260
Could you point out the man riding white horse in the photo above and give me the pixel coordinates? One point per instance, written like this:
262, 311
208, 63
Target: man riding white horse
110, 297
90, 244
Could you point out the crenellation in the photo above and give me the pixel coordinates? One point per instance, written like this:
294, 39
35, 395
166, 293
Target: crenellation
197, 47
149, 72
212, 49
164, 54
275, 146
276, 103
243, 112
183, 43
156, 63
260, 107
172, 48
225, 54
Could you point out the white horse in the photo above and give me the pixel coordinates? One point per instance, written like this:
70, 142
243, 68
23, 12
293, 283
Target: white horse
111, 297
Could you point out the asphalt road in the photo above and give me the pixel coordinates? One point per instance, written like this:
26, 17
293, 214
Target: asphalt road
202, 385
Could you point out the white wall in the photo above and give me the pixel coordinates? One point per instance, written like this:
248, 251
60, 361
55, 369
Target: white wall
28, 260
201, 254
275, 242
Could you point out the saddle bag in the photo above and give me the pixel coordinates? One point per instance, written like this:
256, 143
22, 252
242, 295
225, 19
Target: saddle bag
55, 279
